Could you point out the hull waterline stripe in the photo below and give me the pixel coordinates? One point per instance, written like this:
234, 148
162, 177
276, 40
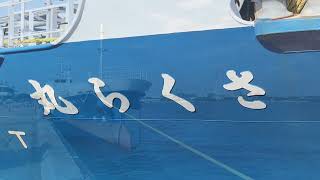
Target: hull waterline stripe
197, 120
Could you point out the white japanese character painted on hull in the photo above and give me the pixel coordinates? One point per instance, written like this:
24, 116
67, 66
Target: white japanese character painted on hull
51, 104
108, 100
168, 85
243, 82
19, 135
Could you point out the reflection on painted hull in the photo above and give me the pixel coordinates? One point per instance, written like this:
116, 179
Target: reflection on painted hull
157, 138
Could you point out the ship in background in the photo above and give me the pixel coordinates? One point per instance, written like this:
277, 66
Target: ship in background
129, 44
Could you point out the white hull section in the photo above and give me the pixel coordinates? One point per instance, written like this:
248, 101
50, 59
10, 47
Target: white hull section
124, 18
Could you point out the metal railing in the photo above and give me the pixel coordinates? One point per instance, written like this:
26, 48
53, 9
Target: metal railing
23, 26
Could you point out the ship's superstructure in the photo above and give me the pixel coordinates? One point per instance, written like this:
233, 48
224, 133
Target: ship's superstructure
24, 24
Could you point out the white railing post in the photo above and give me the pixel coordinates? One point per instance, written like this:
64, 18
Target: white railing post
31, 19
1, 38
54, 21
11, 23
22, 19
48, 3
69, 11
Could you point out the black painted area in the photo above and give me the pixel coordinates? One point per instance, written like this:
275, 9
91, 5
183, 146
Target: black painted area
288, 42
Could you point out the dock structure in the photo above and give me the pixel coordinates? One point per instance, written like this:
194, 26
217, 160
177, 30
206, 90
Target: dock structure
32, 22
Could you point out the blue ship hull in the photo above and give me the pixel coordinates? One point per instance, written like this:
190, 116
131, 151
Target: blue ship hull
158, 139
